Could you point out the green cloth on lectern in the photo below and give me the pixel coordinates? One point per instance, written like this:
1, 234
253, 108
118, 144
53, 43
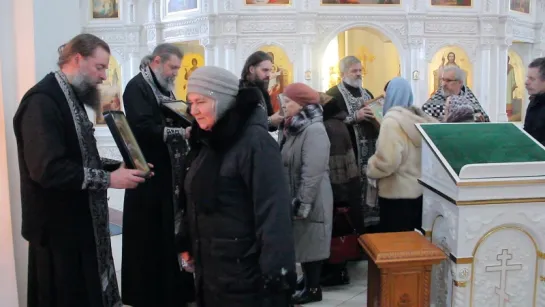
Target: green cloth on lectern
463, 144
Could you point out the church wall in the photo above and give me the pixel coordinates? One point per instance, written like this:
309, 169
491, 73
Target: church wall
17, 58
64, 17
230, 30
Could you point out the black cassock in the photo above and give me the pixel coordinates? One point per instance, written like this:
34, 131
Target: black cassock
150, 273
64, 202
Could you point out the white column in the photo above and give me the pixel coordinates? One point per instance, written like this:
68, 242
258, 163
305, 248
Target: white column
229, 54
416, 69
211, 56
485, 87
501, 102
306, 54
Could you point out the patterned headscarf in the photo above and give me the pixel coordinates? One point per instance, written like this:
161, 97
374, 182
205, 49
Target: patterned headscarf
459, 109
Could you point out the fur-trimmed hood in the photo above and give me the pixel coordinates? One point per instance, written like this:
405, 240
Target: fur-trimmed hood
249, 109
407, 118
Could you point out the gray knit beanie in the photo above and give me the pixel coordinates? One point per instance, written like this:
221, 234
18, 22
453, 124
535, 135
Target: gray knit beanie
217, 83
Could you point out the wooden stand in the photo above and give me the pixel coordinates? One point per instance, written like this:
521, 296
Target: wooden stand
399, 268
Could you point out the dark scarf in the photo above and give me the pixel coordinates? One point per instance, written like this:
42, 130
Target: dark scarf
209, 147
295, 124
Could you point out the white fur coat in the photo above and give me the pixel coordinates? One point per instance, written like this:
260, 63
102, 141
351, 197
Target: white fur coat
397, 161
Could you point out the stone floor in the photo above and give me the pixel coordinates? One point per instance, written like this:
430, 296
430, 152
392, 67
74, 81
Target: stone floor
352, 295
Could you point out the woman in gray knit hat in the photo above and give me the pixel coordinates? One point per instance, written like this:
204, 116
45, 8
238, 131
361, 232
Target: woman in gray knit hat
237, 225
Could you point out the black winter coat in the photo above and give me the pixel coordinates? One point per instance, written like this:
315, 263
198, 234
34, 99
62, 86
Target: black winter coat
534, 123
241, 236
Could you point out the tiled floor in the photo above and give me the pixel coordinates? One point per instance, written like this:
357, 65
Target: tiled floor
351, 295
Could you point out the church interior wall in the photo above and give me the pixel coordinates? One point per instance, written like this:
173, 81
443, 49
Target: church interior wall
227, 31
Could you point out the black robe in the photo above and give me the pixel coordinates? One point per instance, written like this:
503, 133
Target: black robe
60, 201
371, 132
238, 220
151, 274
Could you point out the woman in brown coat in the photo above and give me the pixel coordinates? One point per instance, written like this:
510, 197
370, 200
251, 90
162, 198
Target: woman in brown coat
345, 182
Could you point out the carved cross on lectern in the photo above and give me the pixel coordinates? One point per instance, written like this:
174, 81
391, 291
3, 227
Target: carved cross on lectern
503, 268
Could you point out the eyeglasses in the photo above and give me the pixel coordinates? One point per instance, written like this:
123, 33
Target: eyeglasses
448, 80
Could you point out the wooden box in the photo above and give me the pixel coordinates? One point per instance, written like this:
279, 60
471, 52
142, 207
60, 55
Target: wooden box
400, 266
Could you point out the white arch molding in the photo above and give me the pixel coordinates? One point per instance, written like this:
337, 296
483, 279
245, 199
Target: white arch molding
262, 43
324, 40
471, 54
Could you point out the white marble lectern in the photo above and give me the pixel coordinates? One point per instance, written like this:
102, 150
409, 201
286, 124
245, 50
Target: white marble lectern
484, 205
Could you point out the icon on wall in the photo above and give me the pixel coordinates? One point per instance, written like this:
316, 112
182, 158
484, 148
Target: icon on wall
460, 3
175, 6
105, 9
266, 2
110, 91
360, 2
521, 6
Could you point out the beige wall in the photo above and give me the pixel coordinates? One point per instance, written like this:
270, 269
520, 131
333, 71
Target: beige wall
379, 56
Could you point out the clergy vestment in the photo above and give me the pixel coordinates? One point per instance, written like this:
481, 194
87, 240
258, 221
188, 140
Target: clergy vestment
363, 136
435, 106
150, 273
63, 195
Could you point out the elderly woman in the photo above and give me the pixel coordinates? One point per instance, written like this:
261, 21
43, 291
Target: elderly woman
396, 163
458, 109
305, 153
238, 211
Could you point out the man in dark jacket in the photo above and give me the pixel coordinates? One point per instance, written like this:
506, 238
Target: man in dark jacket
256, 73
534, 122
151, 274
64, 183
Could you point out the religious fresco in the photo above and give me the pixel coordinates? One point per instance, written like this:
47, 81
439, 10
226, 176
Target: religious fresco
193, 59
361, 2
175, 6
265, 2
445, 57
110, 91
461, 3
521, 6
515, 87
378, 55
281, 75
105, 9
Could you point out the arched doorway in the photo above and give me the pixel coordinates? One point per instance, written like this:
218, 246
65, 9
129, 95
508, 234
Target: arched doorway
379, 55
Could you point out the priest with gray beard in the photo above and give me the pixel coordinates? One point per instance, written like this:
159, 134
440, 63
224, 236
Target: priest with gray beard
150, 272
64, 183
350, 96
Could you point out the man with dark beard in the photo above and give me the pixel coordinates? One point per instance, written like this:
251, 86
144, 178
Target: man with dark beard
350, 97
256, 73
64, 183
150, 272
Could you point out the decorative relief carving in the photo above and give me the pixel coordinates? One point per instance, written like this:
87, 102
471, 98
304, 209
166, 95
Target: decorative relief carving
182, 32
229, 27
523, 33
405, 300
263, 26
500, 250
416, 28
228, 5
454, 28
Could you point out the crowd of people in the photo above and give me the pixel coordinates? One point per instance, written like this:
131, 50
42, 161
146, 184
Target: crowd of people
228, 210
